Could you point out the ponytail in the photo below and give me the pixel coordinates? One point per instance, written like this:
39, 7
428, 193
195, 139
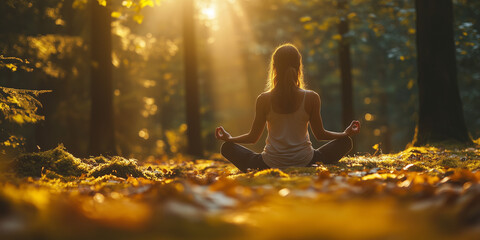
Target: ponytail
285, 88
285, 75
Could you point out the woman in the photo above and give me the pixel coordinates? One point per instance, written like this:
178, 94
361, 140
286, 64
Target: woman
287, 108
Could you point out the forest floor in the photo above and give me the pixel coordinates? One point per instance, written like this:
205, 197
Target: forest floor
419, 193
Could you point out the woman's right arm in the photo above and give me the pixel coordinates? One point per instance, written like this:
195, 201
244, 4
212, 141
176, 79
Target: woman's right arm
316, 123
256, 130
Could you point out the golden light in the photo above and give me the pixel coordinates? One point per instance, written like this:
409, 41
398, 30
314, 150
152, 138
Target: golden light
127, 4
144, 133
369, 117
160, 144
231, 25
367, 100
209, 12
377, 132
284, 192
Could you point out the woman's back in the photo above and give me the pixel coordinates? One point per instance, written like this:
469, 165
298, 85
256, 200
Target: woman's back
288, 143
287, 109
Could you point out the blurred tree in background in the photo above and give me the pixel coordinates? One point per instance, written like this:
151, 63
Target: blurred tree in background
441, 112
102, 139
191, 80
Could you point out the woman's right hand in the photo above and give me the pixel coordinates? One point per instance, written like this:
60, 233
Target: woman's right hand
221, 134
353, 129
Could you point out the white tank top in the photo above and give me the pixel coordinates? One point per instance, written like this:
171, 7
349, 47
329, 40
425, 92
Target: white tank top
288, 143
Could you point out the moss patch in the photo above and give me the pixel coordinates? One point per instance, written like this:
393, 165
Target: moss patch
96, 160
56, 160
117, 166
58, 163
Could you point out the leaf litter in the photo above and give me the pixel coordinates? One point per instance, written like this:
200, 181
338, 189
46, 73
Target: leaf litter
419, 193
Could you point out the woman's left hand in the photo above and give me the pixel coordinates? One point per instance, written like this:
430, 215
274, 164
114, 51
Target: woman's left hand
221, 134
353, 129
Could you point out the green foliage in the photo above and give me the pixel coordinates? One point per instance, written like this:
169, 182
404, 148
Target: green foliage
467, 43
15, 64
18, 106
123, 7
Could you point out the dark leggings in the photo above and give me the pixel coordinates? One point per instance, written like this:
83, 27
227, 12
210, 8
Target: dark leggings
244, 159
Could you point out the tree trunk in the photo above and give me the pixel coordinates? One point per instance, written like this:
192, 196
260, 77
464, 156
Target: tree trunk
101, 118
440, 110
345, 65
191, 81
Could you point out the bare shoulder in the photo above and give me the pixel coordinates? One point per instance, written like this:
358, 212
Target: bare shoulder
263, 100
312, 101
312, 96
311, 93
263, 97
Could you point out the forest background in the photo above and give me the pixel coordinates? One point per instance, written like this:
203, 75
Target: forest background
51, 44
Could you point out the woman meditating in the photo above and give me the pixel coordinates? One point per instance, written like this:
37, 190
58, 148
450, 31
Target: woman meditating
287, 108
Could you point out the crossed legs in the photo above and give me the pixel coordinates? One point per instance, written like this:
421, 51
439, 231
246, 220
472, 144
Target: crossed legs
332, 151
243, 158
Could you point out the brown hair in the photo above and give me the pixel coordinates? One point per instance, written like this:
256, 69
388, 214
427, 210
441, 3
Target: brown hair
285, 75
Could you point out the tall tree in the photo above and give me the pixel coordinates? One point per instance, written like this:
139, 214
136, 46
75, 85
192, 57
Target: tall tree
101, 117
345, 62
191, 80
440, 112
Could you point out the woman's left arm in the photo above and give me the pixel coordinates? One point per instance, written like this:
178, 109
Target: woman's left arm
257, 126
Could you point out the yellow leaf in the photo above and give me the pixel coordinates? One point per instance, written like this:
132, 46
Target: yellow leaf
351, 15
375, 146
127, 4
13, 100
337, 37
18, 119
305, 19
79, 4
379, 176
11, 66
308, 26
102, 2
145, 3
4, 107
410, 84
116, 14
138, 18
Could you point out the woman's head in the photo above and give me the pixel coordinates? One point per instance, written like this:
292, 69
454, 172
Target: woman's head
286, 69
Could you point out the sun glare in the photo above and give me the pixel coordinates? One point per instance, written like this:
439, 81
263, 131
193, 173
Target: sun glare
209, 12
